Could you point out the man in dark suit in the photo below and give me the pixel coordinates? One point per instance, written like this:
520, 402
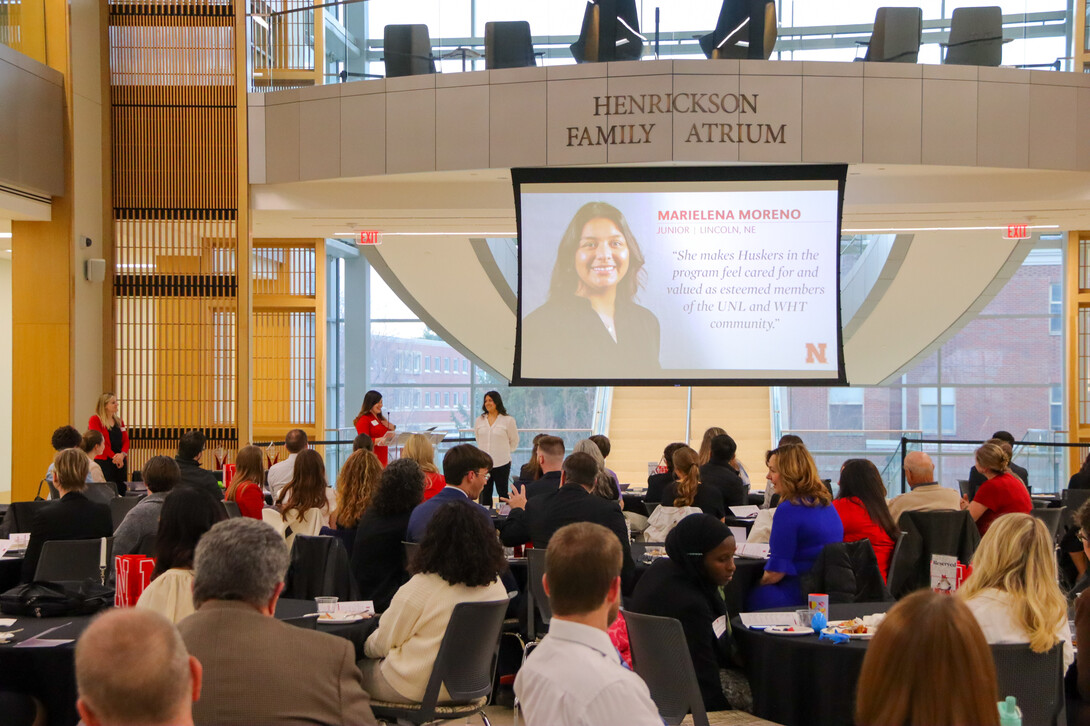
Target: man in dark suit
190, 448
257, 669
719, 474
657, 483
1005, 441
535, 520
465, 467
550, 457
73, 516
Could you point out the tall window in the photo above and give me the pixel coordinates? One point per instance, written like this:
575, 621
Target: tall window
846, 408
932, 409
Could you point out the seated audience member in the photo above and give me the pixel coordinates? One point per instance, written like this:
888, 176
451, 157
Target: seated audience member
657, 482
1012, 590
861, 504
719, 474
928, 665
420, 450
531, 470
190, 448
161, 475
363, 441
64, 437
247, 489
925, 494
688, 490
604, 485
467, 468
93, 444
356, 487
378, 556
1005, 441
1000, 493
575, 676
771, 498
281, 472
686, 585
603, 444
132, 668
535, 520
258, 670
704, 455
187, 514
304, 506
73, 516
459, 560
1079, 676
550, 458
805, 522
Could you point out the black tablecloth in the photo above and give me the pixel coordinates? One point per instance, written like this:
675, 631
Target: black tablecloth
48, 674
805, 681
356, 632
11, 569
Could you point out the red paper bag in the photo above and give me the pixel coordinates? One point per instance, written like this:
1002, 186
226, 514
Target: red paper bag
228, 475
133, 575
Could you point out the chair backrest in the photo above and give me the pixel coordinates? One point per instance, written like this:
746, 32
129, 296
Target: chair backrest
651, 507
319, 567
233, 512
1035, 679
965, 487
21, 515
976, 37
893, 562
897, 35
1051, 518
119, 507
410, 550
536, 559
734, 31
406, 50
848, 572
660, 655
73, 559
951, 533
605, 38
467, 656
508, 44
1073, 499
147, 545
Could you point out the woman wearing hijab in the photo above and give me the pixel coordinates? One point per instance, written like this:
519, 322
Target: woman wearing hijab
685, 585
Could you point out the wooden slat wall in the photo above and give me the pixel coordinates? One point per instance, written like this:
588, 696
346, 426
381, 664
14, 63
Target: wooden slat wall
174, 93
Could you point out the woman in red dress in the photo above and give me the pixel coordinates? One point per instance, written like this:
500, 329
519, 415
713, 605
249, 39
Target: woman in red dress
861, 504
1001, 494
370, 421
245, 489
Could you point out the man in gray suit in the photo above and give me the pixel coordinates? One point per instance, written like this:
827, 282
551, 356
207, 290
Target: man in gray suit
258, 670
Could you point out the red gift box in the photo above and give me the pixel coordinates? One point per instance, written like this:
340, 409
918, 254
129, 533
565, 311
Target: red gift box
133, 575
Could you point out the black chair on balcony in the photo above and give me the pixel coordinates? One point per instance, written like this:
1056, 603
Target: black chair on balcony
896, 36
406, 50
610, 32
746, 29
976, 37
508, 44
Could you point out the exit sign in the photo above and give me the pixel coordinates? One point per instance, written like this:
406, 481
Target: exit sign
1017, 231
369, 237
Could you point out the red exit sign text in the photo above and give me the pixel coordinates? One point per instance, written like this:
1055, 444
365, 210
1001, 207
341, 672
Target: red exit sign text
1017, 231
369, 237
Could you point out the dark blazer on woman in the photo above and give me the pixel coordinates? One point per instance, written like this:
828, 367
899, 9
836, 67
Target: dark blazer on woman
656, 483
73, 516
378, 556
707, 498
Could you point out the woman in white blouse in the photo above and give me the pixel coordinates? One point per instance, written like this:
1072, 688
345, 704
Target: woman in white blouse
1013, 591
498, 436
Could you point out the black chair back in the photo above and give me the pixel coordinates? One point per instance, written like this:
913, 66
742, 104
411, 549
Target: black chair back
976, 37
952, 533
319, 567
965, 487
848, 572
406, 50
233, 512
119, 507
893, 559
897, 35
610, 32
745, 29
660, 656
536, 559
21, 515
508, 44
1051, 518
1073, 499
1035, 679
411, 548
73, 559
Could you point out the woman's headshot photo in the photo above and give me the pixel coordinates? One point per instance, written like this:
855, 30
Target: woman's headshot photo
591, 324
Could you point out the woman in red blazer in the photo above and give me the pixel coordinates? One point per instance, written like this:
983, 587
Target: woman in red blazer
245, 489
114, 460
370, 421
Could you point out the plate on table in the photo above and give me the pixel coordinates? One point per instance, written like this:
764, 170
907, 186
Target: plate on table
340, 618
789, 630
857, 629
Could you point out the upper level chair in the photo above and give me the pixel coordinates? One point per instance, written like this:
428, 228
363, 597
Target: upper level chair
896, 37
976, 37
465, 665
660, 656
610, 32
1035, 679
73, 559
406, 50
745, 29
508, 44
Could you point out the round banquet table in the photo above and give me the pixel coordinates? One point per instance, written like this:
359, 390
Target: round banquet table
48, 674
801, 680
356, 632
11, 569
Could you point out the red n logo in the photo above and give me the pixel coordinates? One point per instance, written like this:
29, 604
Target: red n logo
815, 353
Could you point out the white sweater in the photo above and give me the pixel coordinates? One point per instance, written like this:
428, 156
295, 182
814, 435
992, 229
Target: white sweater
410, 631
992, 608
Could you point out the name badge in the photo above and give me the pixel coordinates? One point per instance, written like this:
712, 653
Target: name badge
719, 626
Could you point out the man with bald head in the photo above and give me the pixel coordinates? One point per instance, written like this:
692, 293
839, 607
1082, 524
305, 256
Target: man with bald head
926, 495
132, 668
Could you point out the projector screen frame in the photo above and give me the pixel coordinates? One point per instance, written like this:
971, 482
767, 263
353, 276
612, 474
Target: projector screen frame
673, 174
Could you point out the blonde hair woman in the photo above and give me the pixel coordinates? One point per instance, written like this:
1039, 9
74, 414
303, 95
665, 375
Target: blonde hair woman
246, 487
114, 459
419, 449
804, 523
1013, 591
1001, 493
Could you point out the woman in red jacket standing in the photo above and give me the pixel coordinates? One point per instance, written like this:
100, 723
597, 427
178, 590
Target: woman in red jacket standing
114, 461
370, 421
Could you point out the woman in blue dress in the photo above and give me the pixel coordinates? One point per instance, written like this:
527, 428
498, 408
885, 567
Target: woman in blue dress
805, 522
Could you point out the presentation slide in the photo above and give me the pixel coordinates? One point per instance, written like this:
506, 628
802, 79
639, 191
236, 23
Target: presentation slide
680, 281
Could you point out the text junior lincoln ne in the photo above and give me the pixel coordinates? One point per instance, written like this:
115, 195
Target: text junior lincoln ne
616, 134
